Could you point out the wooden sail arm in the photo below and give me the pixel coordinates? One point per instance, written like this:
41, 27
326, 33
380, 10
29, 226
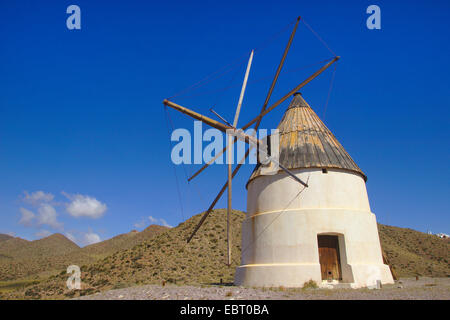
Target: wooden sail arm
224, 187
258, 119
221, 118
264, 112
210, 162
241, 96
219, 195
213, 123
269, 94
280, 66
290, 93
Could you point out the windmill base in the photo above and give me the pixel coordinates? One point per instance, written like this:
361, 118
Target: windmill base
296, 275
299, 245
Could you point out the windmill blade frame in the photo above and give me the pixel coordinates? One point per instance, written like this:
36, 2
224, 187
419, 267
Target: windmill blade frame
258, 120
269, 94
230, 165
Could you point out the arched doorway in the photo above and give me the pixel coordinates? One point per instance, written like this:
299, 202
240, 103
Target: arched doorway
329, 257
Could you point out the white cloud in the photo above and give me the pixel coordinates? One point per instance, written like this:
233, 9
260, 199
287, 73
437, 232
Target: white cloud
159, 221
141, 224
37, 197
83, 238
27, 217
165, 224
84, 206
42, 233
152, 220
47, 215
91, 238
70, 236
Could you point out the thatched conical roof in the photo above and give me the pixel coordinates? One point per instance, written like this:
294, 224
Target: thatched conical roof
305, 142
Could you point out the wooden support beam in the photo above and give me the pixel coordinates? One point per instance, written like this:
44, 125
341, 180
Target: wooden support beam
222, 190
230, 160
241, 96
280, 66
258, 120
213, 123
269, 94
220, 117
229, 203
264, 111
290, 93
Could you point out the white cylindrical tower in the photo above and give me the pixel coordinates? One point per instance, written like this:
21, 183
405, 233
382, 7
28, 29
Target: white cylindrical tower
324, 232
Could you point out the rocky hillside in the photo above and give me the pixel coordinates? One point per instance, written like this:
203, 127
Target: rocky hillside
414, 253
122, 241
21, 259
166, 257
4, 237
56, 244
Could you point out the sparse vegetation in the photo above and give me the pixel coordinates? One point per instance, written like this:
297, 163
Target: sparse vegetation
15, 285
21, 259
120, 285
311, 284
414, 253
166, 258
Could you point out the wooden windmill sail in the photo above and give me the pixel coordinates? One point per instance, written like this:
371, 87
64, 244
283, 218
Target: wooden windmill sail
230, 165
232, 129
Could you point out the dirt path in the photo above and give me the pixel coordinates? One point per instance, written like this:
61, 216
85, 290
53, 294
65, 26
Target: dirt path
425, 288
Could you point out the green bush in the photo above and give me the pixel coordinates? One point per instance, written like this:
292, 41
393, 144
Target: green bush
311, 284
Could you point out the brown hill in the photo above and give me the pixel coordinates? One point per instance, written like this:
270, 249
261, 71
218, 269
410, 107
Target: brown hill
53, 245
414, 253
9, 248
168, 257
4, 237
122, 241
21, 259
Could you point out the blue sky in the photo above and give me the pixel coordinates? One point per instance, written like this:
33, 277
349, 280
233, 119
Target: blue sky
81, 117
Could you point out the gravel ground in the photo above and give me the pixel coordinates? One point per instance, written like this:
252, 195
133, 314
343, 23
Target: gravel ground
405, 289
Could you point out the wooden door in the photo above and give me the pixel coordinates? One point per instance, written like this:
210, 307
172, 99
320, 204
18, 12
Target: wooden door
329, 258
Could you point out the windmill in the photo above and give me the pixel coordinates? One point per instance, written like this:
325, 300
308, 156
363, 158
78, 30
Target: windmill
232, 130
309, 221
